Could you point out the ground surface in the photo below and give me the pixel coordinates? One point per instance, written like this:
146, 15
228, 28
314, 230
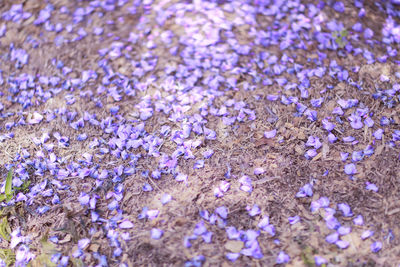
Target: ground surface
194, 133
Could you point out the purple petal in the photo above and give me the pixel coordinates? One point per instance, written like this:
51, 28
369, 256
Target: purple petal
232, 256
156, 233
366, 234
350, 169
282, 258
270, 134
222, 212
165, 198
358, 220
258, 171
83, 243
332, 238
344, 230
376, 246
319, 260
345, 209
342, 244
371, 187
253, 211
294, 219
126, 224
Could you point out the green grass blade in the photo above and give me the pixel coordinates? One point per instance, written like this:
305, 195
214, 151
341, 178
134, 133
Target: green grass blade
8, 190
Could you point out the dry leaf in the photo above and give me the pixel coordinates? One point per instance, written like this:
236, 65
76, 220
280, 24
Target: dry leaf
234, 246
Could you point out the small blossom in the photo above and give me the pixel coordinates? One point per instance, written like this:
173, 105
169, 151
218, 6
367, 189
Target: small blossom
294, 219
253, 211
126, 224
358, 220
332, 238
156, 233
345, 209
319, 260
376, 246
270, 134
282, 258
343, 244
366, 234
371, 187
350, 169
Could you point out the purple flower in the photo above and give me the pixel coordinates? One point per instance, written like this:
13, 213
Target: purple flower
232, 256
126, 224
314, 206
319, 260
198, 164
371, 187
272, 97
368, 33
165, 198
342, 244
270, 229
181, 177
316, 103
332, 238
222, 212
282, 258
345, 209
376, 246
313, 141
83, 243
338, 111
366, 234
294, 219
344, 155
332, 138
339, 7
327, 125
204, 214
187, 239
199, 228
357, 155
258, 171
23, 256
253, 211
152, 214
344, 230
350, 169
305, 191
264, 222
324, 202
207, 237
232, 232
270, 134
147, 187
355, 121
84, 199
207, 154
369, 122
357, 27
156, 233
311, 153
358, 220
245, 182
16, 238
34, 118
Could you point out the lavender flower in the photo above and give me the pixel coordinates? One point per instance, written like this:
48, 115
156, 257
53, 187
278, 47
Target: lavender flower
282, 258
156, 233
270, 134
376, 246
